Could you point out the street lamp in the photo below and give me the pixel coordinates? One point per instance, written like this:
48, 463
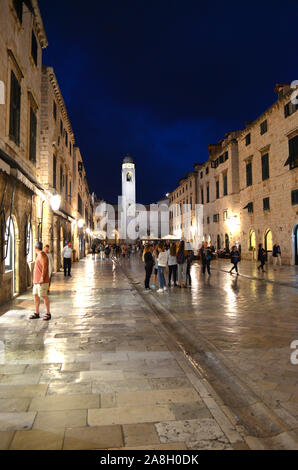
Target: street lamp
81, 223
55, 202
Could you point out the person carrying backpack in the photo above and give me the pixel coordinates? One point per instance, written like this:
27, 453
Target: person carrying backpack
182, 264
235, 258
206, 255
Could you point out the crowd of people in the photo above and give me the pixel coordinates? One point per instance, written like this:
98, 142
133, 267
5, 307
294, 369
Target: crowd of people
160, 258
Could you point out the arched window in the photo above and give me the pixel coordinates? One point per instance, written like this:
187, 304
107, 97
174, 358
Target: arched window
9, 250
129, 176
252, 240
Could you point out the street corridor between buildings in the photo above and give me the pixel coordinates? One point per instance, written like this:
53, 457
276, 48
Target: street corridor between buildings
208, 367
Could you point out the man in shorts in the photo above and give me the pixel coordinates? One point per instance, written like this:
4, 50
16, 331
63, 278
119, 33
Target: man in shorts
41, 281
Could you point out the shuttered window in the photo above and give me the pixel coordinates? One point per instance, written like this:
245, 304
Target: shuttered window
32, 145
248, 174
293, 152
15, 109
202, 196
66, 187
54, 172
263, 127
34, 48
266, 204
55, 110
80, 206
61, 179
265, 166
18, 6
294, 195
208, 194
217, 189
247, 139
225, 185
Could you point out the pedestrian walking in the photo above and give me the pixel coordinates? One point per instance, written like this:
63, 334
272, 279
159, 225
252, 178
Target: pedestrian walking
155, 269
206, 256
41, 282
262, 257
107, 251
123, 251
101, 251
51, 264
276, 254
93, 249
162, 263
172, 263
182, 264
66, 255
189, 259
149, 264
235, 258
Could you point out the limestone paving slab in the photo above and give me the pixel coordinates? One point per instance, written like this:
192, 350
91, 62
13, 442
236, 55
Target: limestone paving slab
140, 435
5, 439
37, 440
16, 421
189, 430
14, 404
59, 420
65, 402
93, 437
129, 415
15, 391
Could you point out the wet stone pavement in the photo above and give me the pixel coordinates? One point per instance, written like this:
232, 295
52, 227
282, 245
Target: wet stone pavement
107, 372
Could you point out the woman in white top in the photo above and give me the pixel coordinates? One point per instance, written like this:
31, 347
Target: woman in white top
162, 263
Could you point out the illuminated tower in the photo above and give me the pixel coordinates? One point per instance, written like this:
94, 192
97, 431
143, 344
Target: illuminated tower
128, 190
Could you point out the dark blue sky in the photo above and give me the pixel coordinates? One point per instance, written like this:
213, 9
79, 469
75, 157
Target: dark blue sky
161, 79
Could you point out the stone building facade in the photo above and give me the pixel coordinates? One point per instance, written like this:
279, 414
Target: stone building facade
248, 188
22, 38
30, 137
268, 168
218, 192
185, 220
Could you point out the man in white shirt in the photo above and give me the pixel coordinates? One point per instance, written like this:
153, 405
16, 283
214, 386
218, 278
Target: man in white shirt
67, 254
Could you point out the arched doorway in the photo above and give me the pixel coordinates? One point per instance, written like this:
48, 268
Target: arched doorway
295, 234
218, 242
227, 242
10, 251
28, 251
268, 240
252, 243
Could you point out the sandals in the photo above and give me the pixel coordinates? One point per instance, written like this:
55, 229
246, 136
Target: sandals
47, 317
34, 316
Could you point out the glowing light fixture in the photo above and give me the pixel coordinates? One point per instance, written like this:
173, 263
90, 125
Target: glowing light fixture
55, 202
81, 223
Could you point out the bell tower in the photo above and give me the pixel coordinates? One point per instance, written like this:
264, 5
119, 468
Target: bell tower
129, 180
128, 190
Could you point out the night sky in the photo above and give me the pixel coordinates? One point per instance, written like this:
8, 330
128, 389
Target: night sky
160, 80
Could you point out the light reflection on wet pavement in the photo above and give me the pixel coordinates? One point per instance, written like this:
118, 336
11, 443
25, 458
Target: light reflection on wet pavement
103, 374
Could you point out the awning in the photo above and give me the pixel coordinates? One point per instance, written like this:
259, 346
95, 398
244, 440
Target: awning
14, 164
246, 207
